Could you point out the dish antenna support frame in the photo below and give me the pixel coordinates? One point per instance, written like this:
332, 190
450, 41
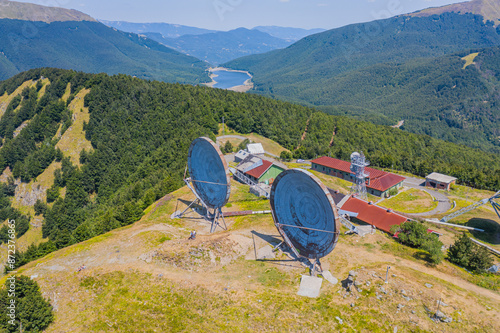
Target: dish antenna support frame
206, 162
313, 193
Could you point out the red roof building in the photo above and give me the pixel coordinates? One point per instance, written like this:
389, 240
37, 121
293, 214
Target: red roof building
380, 217
260, 170
378, 182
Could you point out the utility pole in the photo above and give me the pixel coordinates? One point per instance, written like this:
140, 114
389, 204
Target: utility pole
387, 274
223, 127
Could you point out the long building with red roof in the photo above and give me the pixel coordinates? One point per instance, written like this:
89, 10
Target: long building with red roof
378, 182
381, 218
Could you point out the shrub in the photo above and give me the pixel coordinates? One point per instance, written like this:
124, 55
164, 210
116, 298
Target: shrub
52, 194
228, 147
31, 309
469, 255
243, 144
40, 207
415, 234
286, 156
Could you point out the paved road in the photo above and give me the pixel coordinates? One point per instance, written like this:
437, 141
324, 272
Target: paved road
444, 204
231, 137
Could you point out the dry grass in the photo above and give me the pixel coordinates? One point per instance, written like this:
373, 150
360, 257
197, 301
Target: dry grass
343, 186
469, 59
45, 83
148, 277
67, 92
269, 145
410, 201
73, 140
6, 99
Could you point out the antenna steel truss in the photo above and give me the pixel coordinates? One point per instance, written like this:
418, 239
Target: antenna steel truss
214, 218
358, 164
475, 205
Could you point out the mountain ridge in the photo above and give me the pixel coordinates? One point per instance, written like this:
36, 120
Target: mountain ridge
168, 30
93, 47
31, 12
304, 71
489, 9
222, 46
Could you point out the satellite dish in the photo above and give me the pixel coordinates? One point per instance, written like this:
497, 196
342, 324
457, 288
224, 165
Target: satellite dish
209, 181
209, 173
305, 214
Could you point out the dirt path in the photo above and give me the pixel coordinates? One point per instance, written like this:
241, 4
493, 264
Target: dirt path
396, 261
303, 137
333, 136
399, 124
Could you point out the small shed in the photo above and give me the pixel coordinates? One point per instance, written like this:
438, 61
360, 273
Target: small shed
439, 181
255, 149
241, 155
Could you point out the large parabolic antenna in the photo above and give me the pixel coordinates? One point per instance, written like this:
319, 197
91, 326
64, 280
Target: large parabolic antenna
209, 172
305, 214
209, 178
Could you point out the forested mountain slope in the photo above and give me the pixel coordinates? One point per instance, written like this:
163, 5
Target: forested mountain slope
454, 97
140, 132
379, 69
91, 47
223, 46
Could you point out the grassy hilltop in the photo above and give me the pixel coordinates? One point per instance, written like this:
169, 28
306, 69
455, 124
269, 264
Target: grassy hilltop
98, 162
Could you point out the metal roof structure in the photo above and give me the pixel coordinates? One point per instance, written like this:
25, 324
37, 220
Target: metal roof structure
241, 155
250, 162
440, 178
378, 179
380, 217
256, 166
260, 170
304, 213
255, 148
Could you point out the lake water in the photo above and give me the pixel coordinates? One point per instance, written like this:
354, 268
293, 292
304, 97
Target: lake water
226, 79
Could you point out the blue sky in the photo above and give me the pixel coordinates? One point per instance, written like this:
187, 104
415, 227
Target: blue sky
230, 14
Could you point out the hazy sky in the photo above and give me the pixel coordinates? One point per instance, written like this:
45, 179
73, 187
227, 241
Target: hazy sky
230, 14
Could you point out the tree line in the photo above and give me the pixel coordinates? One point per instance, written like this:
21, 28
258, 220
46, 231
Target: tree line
140, 133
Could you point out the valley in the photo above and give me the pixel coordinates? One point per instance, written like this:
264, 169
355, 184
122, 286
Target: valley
97, 118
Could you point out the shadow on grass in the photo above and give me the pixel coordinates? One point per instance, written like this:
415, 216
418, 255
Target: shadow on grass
424, 256
273, 240
197, 208
491, 229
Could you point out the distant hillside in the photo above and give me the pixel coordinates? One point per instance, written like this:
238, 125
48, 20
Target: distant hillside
439, 97
165, 29
139, 132
320, 70
92, 47
31, 12
288, 34
489, 9
219, 47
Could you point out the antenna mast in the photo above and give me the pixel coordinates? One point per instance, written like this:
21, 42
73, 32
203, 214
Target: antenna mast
358, 164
